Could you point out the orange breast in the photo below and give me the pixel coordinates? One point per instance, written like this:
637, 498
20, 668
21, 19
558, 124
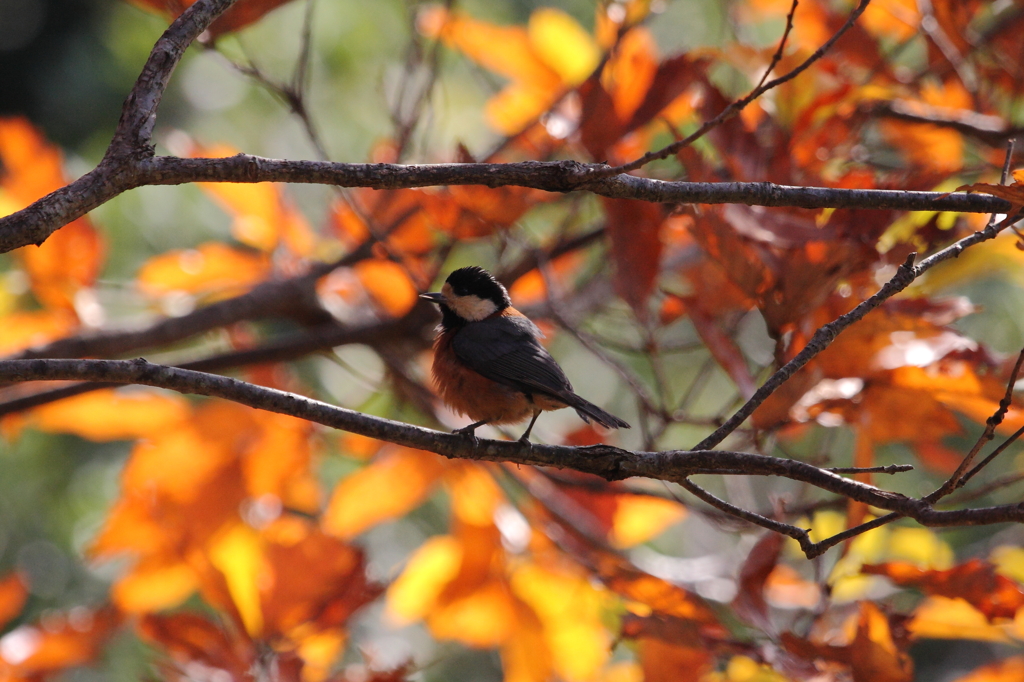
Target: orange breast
472, 394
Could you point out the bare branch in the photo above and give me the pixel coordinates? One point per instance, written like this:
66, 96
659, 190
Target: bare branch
33, 224
606, 461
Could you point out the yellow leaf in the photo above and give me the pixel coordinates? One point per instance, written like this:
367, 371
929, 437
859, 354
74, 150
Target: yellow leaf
397, 482
428, 572
563, 45
1009, 561
570, 609
484, 618
319, 652
237, 554
920, 546
945, 618
638, 518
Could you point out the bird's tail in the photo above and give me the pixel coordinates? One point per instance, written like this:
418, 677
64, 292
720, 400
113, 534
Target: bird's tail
588, 410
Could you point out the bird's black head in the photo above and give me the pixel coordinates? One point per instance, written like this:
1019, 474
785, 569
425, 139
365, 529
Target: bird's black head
475, 281
469, 295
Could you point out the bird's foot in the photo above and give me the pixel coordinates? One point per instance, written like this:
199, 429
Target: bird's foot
469, 430
525, 438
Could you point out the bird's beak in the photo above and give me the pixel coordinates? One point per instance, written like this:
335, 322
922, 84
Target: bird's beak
435, 297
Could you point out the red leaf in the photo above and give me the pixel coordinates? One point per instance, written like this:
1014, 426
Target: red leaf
634, 230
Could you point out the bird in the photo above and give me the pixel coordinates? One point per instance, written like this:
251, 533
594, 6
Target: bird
488, 363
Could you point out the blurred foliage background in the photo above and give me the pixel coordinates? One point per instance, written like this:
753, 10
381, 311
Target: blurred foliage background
67, 65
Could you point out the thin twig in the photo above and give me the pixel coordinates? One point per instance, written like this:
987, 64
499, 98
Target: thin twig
777, 57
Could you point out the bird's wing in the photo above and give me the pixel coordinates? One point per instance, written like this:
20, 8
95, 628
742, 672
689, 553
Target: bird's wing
505, 349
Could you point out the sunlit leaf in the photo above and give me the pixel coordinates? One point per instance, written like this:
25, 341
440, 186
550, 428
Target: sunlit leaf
562, 44
22, 330
211, 268
112, 414
238, 554
70, 259
427, 573
569, 608
485, 617
395, 483
974, 581
261, 214
151, 588
638, 518
388, 284
953, 618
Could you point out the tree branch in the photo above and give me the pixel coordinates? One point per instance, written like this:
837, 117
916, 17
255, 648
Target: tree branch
606, 461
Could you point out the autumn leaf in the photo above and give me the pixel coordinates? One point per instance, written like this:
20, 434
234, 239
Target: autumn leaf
70, 259
13, 595
211, 269
975, 581
237, 17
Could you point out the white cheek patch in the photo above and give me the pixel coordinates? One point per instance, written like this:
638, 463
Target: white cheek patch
472, 308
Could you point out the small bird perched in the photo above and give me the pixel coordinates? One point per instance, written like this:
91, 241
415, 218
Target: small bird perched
488, 363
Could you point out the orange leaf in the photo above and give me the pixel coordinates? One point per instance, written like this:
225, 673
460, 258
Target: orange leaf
70, 259
395, 483
27, 329
1013, 193
67, 640
975, 581
630, 72
503, 49
113, 414
317, 580
666, 662
262, 215
13, 595
151, 587
67, 262
389, 285
485, 617
211, 268
510, 52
